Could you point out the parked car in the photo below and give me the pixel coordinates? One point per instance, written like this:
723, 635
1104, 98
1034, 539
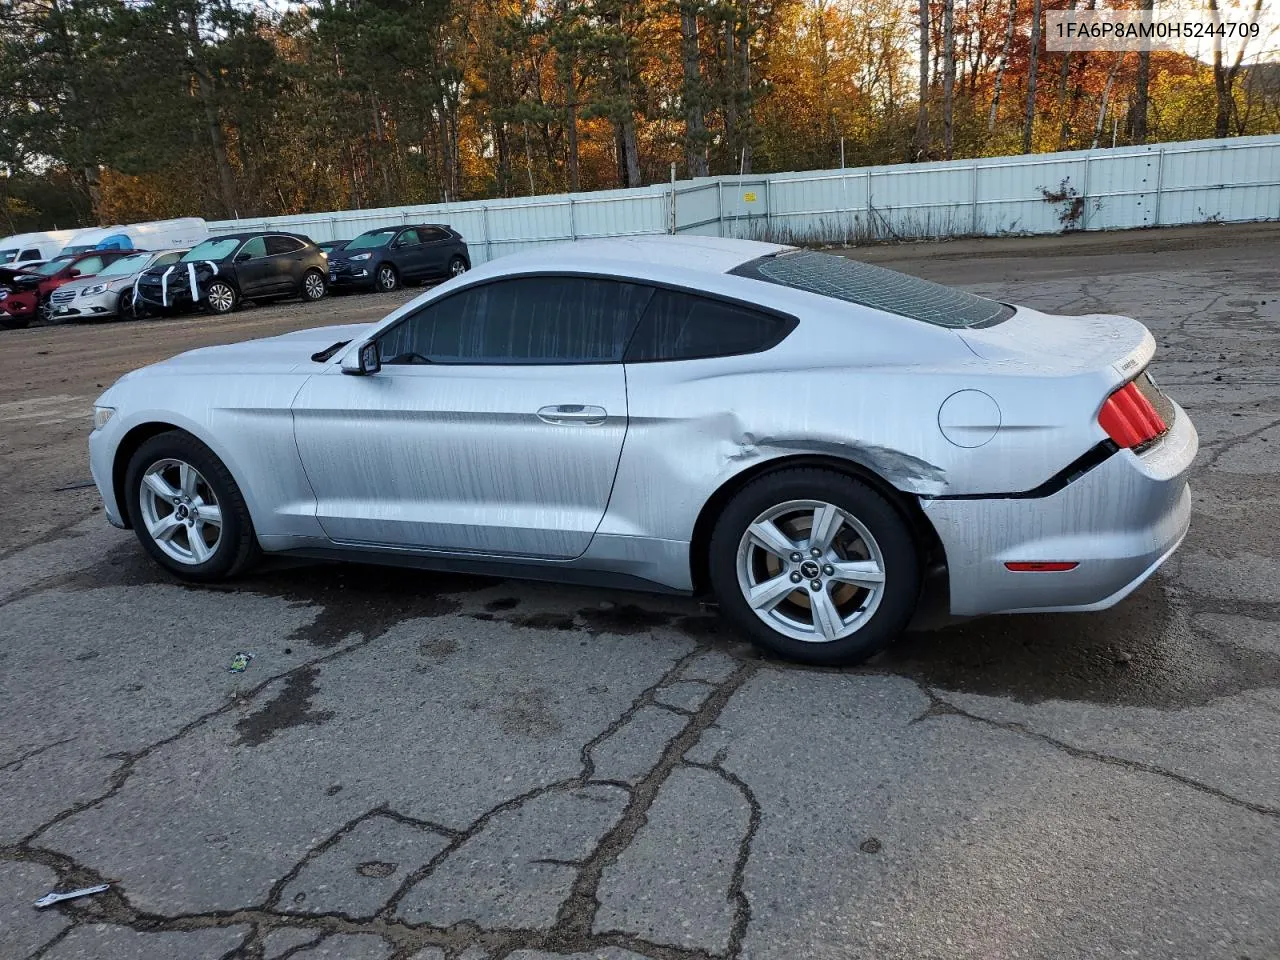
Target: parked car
331, 247
385, 258
8, 282
33, 248
111, 292
31, 289
226, 270
800, 435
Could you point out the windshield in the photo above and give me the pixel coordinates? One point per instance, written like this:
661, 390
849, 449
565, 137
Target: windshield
214, 249
53, 266
125, 265
876, 287
8, 256
80, 248
374, 238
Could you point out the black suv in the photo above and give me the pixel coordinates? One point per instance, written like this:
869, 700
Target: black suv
383, 259
225, 270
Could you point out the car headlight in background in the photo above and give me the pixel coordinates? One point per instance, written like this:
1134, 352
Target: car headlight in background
101, 415
96, 289
361, 256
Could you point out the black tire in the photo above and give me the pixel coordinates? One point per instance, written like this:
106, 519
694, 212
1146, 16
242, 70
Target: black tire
457, 267
9, 322
236, 548
886, 524
308, 289
127, 308
387, 279
221, 297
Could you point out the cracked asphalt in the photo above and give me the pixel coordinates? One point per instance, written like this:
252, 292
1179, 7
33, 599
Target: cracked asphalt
419, 766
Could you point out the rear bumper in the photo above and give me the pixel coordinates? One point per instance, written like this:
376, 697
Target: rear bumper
1118, 522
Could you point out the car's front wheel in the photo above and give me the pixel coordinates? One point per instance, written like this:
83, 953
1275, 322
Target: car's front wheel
387, 278
187, 510
221, 297
815, 566
129, 307
314, 286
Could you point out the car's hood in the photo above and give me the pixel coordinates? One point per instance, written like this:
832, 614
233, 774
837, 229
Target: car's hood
282, 354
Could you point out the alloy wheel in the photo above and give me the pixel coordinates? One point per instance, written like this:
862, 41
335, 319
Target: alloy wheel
457, 268
314, 286
386, 278
180, 511
811, 570
221, 298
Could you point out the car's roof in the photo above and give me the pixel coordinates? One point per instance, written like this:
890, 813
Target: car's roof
250, 234
706, 254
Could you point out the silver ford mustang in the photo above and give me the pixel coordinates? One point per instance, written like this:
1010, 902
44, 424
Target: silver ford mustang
799, 435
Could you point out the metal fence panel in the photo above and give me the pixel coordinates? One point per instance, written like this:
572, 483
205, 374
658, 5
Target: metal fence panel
1232, 180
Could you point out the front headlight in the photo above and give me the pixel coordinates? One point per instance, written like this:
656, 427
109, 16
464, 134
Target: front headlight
93, 291
101, 415
361, 256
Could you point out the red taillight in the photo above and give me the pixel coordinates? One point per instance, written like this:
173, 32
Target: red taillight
1129, 418
1041, 566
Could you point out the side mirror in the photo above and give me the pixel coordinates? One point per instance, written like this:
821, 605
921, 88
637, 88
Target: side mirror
242, 257
364, 362
73, 272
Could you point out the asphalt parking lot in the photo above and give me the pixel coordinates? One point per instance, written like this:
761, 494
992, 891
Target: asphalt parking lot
424, 766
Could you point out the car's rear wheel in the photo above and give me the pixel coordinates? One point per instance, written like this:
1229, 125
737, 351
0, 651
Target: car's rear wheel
387, 278
186, 509
457, 267
221, 297
314, 286
815, 566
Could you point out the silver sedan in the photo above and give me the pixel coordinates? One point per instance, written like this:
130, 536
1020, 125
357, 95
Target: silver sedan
798, 435
110, 292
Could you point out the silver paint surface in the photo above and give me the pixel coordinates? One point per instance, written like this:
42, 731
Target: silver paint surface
456, 460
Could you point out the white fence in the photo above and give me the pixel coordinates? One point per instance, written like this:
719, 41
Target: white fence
1229, 181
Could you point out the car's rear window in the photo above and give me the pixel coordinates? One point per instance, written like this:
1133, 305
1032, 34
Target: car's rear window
876, 287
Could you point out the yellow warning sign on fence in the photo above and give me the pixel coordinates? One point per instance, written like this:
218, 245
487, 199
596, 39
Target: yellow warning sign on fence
749, 198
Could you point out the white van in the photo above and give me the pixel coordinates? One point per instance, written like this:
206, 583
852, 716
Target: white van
182, 233
32, 248
86, 240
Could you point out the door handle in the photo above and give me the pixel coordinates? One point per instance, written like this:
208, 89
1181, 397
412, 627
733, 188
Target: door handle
573, 413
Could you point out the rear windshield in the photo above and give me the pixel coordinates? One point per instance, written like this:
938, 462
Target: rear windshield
876, 287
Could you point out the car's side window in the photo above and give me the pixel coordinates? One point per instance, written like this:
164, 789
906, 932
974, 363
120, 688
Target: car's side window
409, 238
90, 266
31, 254
257, 247
685, 326
432, 234
278, 245
542, 320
